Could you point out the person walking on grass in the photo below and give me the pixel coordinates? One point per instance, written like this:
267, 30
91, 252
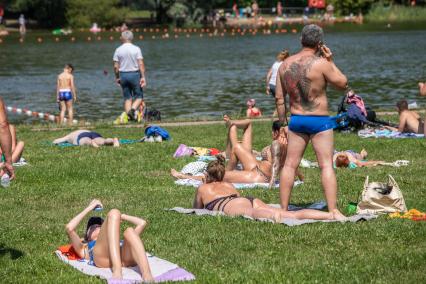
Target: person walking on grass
129, 70
304, 77
66, 94
5, 143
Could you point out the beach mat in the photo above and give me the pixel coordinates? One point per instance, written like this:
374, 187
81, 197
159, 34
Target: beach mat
162, 270
196, 183
287, 221
380, 133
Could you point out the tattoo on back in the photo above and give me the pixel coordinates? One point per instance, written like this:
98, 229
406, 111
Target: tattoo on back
297, 84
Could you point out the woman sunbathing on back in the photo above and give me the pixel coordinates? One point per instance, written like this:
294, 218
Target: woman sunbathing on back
217, 195
101, 244
254, 171
351, 159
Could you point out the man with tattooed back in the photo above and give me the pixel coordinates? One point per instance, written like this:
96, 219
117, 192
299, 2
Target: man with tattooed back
304, 77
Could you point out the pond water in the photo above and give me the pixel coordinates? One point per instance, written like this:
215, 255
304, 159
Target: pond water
189, 77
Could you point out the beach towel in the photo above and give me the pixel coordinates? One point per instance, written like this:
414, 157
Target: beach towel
385, 133
287, 221
162, 270
197, 183
22, 162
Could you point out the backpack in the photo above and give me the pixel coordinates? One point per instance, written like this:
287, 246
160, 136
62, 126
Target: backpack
152, 115
154, 130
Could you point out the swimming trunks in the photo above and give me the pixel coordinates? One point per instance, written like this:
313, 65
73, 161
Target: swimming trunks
91, 134
223, 201
65, 95
311, 124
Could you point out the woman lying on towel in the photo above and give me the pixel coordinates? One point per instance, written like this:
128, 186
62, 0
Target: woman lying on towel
217, 195
351, 159
86, 137
101, 245
254, 171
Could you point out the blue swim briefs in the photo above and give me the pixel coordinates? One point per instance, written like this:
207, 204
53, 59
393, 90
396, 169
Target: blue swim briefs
92, 135
311, 124
65, 95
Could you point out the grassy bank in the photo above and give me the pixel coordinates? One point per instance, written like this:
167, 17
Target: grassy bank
59, 182
396, 13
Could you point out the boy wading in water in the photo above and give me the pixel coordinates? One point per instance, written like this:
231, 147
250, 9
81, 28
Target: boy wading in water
66, 94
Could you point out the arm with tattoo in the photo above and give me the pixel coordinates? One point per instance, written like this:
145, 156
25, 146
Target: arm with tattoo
276, 159
280, 93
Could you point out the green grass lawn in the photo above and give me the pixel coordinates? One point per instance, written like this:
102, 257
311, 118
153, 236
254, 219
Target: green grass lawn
60, 182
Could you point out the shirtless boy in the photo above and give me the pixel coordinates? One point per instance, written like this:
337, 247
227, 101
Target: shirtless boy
66, 94
409, 121
304, 77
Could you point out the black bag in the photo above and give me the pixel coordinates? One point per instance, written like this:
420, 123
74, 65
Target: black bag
152, 115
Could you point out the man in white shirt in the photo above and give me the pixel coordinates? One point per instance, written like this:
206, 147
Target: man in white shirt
129, 70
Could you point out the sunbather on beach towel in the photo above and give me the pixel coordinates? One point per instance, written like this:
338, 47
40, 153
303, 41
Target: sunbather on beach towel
409, 121
217, 195
17, 147
254, 171
86, 137
101, 245
352, 159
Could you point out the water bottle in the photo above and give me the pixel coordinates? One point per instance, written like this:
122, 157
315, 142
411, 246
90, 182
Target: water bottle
5, 180
98, 208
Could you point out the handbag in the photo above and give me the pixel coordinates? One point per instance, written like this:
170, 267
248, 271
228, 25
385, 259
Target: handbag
381, 198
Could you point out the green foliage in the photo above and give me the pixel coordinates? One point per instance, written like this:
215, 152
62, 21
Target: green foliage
107, 13
48, 13
396, 13
345, 7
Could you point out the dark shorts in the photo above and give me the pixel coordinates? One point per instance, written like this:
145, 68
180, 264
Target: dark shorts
92, 135
130, 83
311, 124
272, 90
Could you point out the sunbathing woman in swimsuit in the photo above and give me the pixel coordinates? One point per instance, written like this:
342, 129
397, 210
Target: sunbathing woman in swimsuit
86, 137
217, 195
101, 243
351, 159
254, 171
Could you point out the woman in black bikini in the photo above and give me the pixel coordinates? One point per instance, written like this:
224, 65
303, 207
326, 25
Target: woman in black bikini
217, 195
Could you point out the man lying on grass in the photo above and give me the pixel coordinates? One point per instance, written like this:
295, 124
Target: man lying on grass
101, 244
217, 195
86, 137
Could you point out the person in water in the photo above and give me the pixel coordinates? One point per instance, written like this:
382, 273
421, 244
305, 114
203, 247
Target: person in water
218, 195
252, 110
66, 93
271, 77
254, 171
352, 159
17, 147
305, 76
409, 121
422, 89
86, 137
101, 243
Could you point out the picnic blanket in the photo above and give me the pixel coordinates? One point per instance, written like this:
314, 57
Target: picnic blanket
385, 133
197, 183
162, 270
67, 144
287, 221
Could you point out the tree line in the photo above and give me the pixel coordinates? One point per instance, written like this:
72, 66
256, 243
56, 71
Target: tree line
108, 13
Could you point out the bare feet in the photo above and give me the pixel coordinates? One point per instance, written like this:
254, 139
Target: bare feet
338, 216
116, 142
176, 174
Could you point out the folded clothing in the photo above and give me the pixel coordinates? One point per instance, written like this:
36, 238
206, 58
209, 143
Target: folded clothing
197, 183
286, 221
162, 270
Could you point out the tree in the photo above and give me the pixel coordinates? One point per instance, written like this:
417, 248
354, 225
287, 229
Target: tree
48, 13
106, 13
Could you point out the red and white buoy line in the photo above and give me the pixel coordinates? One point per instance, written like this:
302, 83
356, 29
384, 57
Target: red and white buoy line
41, 115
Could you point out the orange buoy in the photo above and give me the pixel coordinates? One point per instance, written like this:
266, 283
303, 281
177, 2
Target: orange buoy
294, 31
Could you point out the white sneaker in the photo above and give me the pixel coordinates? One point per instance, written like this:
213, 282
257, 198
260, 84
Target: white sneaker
150, 139
158, 138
